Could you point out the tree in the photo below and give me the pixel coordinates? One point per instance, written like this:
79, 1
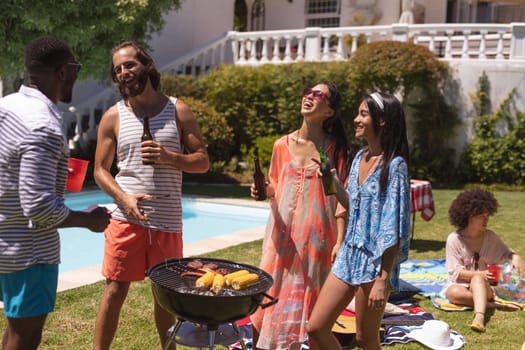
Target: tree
91, 27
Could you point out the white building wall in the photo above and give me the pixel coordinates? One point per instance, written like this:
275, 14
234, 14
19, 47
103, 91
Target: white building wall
197, 23
503, 76
281, 14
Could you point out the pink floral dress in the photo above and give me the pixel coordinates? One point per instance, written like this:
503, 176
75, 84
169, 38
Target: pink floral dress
299, 238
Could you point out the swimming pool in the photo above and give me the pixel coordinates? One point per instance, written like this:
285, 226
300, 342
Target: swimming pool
201, 220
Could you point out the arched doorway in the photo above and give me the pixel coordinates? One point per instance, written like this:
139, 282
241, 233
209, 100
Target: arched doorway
240, 16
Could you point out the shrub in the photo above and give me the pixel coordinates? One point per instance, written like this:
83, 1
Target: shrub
215, 130
497, 151
265, 100
261, 102
421, 79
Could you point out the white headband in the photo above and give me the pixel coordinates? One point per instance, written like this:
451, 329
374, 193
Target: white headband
379, 100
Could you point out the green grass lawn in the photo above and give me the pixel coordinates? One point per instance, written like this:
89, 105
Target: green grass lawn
71, 325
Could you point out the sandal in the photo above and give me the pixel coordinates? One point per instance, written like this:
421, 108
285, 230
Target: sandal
476, 326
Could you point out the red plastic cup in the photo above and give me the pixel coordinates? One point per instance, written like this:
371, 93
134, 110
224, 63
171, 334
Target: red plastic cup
495, 270
77, 169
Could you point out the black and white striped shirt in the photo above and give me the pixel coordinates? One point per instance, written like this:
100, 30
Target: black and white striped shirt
33, 172
163, 182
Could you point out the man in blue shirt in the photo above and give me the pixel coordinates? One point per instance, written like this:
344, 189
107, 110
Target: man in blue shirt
33, 168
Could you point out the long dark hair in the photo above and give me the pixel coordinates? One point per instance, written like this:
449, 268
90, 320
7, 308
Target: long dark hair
334, 127
393, 132
143, 57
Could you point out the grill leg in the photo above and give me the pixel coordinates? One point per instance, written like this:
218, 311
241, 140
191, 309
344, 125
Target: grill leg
173, 334
241, 339
211, 338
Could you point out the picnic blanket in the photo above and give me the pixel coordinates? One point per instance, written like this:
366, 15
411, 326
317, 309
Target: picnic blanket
430, 276
396, 328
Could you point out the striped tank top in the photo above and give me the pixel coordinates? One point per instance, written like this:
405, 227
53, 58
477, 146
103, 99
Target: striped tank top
163, 182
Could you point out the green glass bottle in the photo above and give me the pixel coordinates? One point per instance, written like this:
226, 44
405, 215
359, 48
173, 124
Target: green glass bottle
327, 178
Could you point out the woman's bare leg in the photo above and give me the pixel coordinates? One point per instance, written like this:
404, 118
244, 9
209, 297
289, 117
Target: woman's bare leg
368, 319
334, 296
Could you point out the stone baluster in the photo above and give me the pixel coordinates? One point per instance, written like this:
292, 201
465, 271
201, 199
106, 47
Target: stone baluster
448, 45
482, 45
326, 48
275, 49
300, 48
242, 53
264, 51
287, 49
355, 38
340, 48
499, 48
202, 71
464, 50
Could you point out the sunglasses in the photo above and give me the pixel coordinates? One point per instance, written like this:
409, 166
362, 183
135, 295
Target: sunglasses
77, 66
317, 95
476, 260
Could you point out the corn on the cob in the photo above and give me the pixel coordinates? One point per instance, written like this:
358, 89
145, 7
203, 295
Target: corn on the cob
231, 276
244, 281
218, 283
205, 280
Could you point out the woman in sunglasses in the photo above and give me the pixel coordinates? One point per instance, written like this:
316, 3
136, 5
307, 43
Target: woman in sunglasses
301, 236
469, 251
377, 233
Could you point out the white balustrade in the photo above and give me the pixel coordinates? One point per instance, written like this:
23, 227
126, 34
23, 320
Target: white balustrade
451, 41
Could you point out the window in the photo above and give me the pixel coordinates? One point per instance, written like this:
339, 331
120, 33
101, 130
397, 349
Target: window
322, 13
258, 15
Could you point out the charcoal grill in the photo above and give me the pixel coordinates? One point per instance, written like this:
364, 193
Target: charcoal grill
179, 296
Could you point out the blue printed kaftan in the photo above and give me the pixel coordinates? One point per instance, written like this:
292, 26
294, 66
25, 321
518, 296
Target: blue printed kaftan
376, 221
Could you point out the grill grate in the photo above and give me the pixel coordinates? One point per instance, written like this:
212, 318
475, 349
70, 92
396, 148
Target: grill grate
168, 275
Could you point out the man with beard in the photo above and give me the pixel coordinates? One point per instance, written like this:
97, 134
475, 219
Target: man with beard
33, 164
146, 227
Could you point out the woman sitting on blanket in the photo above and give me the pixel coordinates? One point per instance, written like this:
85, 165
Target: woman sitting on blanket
470, 249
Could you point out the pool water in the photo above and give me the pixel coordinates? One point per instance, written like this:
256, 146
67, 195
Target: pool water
201, 220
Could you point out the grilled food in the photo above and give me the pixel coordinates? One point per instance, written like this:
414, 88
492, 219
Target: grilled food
231, 276
218, 283
206, 280
244, 281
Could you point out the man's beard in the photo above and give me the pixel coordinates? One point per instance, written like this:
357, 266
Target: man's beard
137, 88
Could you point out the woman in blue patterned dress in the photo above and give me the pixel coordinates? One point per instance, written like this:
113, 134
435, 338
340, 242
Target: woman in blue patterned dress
377, 233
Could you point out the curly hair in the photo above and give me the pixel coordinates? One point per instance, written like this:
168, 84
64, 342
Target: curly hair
469, 203
46, 52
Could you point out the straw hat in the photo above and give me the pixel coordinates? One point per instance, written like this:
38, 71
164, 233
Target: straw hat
436, 335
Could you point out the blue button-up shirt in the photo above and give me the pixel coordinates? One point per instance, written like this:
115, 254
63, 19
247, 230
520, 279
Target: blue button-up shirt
33, 172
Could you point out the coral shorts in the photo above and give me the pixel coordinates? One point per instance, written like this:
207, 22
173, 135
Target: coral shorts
131, 249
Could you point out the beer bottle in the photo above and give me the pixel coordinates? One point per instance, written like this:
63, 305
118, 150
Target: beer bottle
327, 178
146, 136
258, 178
